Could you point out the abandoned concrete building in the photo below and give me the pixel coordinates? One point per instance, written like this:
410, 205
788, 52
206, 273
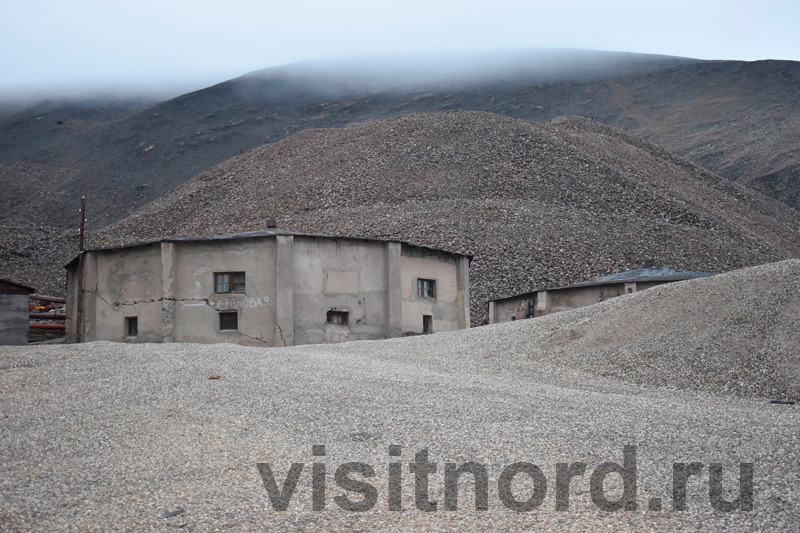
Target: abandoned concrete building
270, 288
548, 301
14, 312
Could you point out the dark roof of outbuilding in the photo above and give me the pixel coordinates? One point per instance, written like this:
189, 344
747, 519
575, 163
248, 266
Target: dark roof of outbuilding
640, 275
272, 232
17, 285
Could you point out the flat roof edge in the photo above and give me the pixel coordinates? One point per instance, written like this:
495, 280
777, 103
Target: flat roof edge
30, 290
261, 234
608, 282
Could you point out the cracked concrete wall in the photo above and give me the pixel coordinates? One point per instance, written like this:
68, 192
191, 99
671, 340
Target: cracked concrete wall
169, 287
168, 295
291, 282
343, 275
447, 308
123, 283
284, 290
197, 306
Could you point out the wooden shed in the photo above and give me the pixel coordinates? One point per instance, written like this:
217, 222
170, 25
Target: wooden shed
14, 312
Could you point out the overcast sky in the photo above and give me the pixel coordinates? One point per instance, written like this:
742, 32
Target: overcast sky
181, 45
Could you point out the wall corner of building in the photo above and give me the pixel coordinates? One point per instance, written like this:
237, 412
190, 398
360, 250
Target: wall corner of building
168, 291
462, 283
284, 290
542, 303
394, 290
88, 322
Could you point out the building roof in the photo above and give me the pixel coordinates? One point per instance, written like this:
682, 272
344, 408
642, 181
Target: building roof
271, 232
640, 275
5, 283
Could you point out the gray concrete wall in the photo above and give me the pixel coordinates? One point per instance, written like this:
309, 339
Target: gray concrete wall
284, 280
70, 325
463, 288
291, 283
447, 309
565, 299
555, 301
197, 306
14, 319
343, 275
119, 284
514, 308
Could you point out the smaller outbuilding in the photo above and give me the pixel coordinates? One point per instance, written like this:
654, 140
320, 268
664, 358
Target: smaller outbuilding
554, 300
14, 312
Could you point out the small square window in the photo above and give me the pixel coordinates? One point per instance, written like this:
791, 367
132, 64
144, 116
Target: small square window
131, 326
229, 321
229, 282
426, 288
338, 317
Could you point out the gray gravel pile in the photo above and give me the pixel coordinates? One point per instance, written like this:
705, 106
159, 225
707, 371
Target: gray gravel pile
539, 205
35, 255
106, 436
735, 334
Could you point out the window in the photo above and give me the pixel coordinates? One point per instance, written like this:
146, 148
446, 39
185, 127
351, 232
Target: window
427, 324
338, 317
229, 282
131, 326
229, 321
426, 288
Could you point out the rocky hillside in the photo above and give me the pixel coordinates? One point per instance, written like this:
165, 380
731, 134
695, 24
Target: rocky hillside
739, 119
537, 204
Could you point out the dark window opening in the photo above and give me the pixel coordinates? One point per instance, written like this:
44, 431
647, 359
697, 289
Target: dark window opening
426, 288
338, 317
229, 282
530, 312
131, 326
229, 321
427, 324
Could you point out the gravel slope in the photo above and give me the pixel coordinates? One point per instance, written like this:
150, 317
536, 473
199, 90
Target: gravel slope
108, 437
537, 205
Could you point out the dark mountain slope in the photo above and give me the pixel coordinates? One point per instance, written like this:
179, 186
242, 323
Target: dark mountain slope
538, 204
28, 131
40, 156
735, 117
